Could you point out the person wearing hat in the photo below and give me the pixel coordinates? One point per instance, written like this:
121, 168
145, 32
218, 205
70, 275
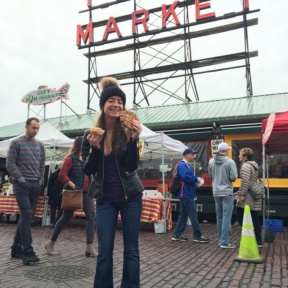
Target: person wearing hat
186, 196
112, 160
223, 171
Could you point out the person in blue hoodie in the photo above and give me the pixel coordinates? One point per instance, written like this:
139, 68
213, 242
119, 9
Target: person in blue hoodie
223, 171
186, 196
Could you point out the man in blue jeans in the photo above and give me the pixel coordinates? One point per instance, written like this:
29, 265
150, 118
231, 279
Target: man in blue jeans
223, 171
186, 196
26, 163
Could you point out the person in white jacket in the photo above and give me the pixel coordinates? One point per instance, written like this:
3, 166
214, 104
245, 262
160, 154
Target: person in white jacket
223, 171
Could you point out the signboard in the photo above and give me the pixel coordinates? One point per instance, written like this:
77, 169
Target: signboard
140, 18
44, 95
214, 146
269, 128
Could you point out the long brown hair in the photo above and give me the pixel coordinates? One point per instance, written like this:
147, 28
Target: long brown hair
119, 131
76, 147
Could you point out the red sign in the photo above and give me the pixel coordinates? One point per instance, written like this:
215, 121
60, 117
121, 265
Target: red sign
269, 128
141, 17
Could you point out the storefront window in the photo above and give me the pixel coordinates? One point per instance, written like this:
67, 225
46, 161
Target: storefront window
277, 163
255, 145
200, 164
278, 166
151, 168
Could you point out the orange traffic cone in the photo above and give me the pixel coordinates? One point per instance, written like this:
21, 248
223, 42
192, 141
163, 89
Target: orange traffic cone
248, 251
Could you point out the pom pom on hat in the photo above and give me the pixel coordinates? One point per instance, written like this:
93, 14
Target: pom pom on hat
110, 87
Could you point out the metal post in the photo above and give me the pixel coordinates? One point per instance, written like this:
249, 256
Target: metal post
163, 185
263, 200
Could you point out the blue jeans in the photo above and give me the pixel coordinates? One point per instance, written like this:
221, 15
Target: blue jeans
106, 220
224, 209
88, 208
187, 209
26, 195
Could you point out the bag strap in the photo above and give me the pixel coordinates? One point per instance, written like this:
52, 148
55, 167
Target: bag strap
175, 170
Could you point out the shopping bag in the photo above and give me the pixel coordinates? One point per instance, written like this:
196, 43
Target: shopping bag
72, 199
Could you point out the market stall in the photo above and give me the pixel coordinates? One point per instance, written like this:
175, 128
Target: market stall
274, 141
156, 145
152, 210
159, 145
8, 205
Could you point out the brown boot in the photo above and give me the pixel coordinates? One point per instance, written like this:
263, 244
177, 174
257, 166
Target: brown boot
90, 251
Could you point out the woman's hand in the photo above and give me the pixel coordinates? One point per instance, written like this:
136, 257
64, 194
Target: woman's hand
240, 199
94, 140
137, 129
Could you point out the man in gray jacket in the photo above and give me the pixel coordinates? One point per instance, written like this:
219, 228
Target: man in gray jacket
223, 171
26, 164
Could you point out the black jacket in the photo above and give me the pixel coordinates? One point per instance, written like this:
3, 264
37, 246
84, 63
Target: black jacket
127, 161
54, 189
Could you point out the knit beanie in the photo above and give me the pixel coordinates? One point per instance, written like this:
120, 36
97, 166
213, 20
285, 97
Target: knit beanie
110, 87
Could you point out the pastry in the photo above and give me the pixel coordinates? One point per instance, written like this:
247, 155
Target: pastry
126, 118
97, 131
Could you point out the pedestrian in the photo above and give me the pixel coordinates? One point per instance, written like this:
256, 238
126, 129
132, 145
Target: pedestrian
186, 196
3, 178
26, 164
249, 174
72, 176
223, 171
54, 194
113, 159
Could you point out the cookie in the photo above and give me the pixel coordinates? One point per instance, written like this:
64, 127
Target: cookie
126, 118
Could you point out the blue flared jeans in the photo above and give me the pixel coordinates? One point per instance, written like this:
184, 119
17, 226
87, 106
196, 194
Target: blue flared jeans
106, 220
224, 208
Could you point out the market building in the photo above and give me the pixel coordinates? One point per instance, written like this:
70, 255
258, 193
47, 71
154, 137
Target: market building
201, 126
164, 69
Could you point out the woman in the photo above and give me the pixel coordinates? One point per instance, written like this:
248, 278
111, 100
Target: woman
72, 176
54, 190
249, 174
112, 158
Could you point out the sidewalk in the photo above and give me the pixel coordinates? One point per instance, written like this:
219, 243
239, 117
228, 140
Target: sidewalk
164, 263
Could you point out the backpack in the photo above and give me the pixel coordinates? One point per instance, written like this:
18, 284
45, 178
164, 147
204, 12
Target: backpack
175, 183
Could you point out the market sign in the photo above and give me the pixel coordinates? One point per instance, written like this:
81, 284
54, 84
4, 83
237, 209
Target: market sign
45, 95
141, 17
269, 128
214, 146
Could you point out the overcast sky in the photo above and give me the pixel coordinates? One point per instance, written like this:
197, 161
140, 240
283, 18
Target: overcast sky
38, 47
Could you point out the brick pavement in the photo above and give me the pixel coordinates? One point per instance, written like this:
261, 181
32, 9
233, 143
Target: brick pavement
164, 263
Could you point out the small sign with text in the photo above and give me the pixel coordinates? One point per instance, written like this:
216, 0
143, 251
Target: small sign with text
214, 146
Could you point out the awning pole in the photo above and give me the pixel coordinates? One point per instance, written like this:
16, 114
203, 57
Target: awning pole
163, 185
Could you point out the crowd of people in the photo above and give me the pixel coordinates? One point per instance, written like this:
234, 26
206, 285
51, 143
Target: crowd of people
104, 168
